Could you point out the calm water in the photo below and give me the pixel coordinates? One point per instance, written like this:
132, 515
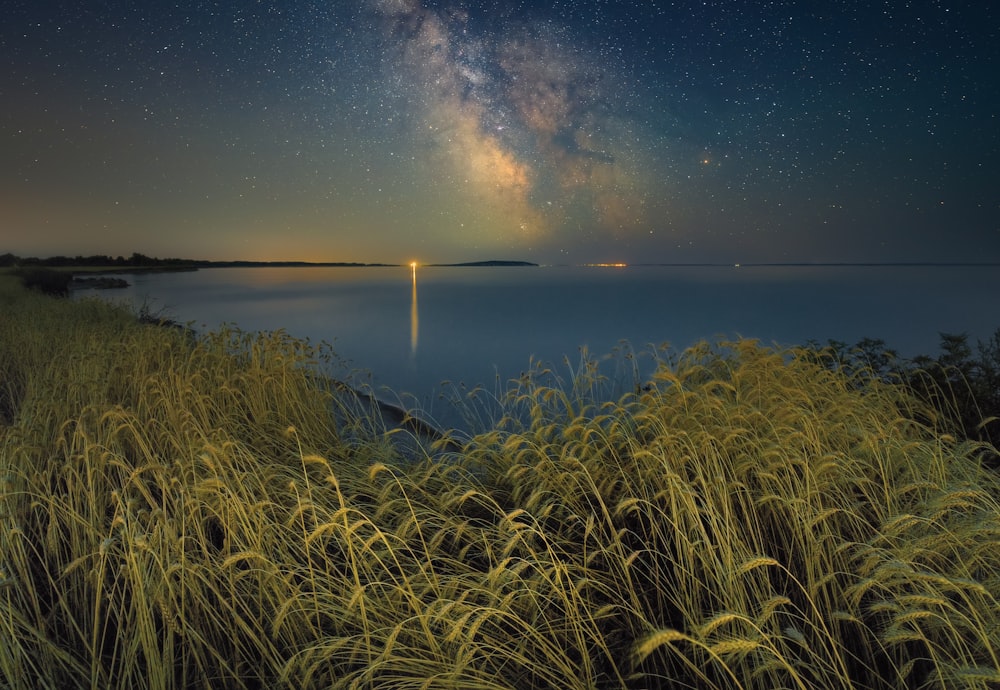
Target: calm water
413, 330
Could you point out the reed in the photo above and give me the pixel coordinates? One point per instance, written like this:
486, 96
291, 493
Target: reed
211, 511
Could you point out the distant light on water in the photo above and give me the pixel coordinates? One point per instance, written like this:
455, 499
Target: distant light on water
609, 265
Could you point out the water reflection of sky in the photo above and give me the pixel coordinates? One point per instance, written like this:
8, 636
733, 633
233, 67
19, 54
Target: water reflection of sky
480, 324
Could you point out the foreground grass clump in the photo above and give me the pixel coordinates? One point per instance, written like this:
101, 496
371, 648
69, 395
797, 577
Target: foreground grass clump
206, 512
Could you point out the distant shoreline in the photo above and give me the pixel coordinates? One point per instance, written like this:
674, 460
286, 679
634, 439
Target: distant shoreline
143, 264
496, 263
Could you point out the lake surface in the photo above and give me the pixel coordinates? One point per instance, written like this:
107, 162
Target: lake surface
412, 329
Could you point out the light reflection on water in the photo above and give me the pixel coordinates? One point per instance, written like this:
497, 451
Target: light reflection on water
484, 325
414, 316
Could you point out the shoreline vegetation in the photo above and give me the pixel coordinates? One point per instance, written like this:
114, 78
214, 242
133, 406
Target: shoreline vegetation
184, 510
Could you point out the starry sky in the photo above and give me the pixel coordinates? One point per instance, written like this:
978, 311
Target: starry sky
566, 131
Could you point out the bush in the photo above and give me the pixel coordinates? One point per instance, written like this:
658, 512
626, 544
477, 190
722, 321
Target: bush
46, 280
961, 384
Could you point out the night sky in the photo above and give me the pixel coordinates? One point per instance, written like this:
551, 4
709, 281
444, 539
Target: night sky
568, 131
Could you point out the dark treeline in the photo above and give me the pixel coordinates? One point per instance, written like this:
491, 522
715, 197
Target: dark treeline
97, 260
141, 261
54, 275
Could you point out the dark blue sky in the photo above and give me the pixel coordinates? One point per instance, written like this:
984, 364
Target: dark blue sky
391, 130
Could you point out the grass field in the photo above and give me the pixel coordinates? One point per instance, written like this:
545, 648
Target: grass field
184, 511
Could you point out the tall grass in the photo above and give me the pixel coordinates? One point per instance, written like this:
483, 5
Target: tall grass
209, 512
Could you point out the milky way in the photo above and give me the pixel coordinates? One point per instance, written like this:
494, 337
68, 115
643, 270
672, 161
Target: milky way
522, 121
447, 130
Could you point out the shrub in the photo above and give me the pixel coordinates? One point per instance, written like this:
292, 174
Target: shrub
46, 280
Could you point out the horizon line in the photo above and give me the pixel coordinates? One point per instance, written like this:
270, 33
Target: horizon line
142, 261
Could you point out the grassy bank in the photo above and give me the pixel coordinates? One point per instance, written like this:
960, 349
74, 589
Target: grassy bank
206, 512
